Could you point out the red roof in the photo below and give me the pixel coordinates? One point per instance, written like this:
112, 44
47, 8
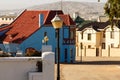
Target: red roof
5, 28
67, 20
28, 23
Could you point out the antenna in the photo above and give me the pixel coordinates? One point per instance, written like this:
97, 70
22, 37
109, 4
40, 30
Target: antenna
61, 5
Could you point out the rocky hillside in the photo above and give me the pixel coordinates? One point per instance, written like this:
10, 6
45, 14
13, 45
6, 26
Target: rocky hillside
86, 10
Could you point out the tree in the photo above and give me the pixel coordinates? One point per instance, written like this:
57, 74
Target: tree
112, 10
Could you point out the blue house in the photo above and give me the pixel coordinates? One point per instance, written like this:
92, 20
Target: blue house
29, 29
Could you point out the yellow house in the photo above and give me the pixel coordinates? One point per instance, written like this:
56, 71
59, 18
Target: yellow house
91, 40
98, 39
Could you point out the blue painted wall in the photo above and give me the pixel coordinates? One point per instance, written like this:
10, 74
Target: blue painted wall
35, 41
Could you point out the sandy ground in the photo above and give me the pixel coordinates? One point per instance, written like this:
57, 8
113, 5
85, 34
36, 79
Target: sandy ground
91, 69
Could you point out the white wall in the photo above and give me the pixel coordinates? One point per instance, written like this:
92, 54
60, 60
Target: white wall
115, 40
85, 40
8, 21
20, 68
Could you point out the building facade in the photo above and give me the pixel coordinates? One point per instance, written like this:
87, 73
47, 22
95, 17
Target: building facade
88, 40
6, 19
31, 27
98, 39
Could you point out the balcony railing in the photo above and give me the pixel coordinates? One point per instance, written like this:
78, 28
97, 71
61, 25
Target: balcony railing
69, 41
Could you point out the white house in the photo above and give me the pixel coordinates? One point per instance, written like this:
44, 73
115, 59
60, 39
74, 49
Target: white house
7, 19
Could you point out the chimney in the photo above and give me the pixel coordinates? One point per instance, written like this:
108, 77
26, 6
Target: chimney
41, 19
75, 14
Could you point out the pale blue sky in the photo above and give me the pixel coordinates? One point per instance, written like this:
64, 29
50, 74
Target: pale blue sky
17, 4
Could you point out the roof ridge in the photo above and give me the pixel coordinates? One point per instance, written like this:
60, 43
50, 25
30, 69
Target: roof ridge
46, 17
17, 17
69, 19
43, 10
50, 15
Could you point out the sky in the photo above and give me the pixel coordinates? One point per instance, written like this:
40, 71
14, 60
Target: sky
18, 4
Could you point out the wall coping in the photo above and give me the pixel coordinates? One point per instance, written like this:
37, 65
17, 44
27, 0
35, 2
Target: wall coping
20, 59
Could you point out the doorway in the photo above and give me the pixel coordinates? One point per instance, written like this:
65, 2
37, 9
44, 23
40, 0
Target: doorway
65, 55
71, 55
97, 51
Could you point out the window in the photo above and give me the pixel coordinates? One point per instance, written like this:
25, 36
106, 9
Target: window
71, 55
45, 34
112, 45
82, 35
66, 33
89, 46
112, 34
2, 18
71, 34
65, 57
103, 45
89, 36
103, 34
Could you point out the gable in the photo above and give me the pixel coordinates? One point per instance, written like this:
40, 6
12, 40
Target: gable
89, 30
108, 28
